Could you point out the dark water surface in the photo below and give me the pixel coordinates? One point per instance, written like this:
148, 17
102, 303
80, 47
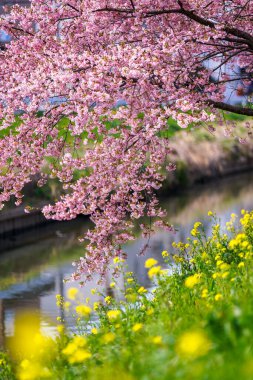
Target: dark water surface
32, 275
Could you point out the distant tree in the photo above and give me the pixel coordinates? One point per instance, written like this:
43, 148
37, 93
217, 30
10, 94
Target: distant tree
88, 85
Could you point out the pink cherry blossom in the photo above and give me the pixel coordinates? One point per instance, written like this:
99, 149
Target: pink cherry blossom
69, 64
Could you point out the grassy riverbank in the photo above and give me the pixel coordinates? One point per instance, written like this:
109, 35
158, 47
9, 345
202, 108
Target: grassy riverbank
194, 324
201, 155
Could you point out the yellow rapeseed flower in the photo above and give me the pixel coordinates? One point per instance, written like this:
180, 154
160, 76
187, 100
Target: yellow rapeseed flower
94, 331
79, 356
193, 344
149, 263
112, 285
32, 371
60, 329
28, 341
224, 266
210, 213
165, 253
109, 337
83, 310
67, 305
142, 290
59, 300
69, 349
204, 256
113, 315
197, 225
93, 291
193, 280
137, 327
218, 297
74, 350
150, 311
157, 340
108, 300
96, 305
72, 293
225, 274
118, 260
241, 264
233, 243
79, 341
178, 259
154, 271
131, 297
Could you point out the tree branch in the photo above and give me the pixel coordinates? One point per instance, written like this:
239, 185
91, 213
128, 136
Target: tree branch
111, 9
230, 108
247, 37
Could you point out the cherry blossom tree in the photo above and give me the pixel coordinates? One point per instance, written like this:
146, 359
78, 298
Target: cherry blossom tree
87, 87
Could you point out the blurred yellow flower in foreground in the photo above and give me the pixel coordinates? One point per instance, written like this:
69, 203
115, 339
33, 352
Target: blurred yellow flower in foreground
80, 341
28, 342
75, 351
83, 310
137, 327
193, 344
109, 337
150, 311
66, 305
150, 263
154, 271
157, 340
72, 293
193, 280
32, 371
204, 293
218, 297
113, 315
60, 329
79, 356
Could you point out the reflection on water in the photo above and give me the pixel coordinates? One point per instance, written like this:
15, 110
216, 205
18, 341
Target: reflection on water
31, 276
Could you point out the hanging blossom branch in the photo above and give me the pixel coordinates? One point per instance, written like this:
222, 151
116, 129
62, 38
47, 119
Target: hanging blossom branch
90, 86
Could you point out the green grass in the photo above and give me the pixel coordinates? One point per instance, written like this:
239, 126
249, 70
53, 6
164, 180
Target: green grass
194, 324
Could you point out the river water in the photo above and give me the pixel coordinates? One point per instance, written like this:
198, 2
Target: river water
32, 275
